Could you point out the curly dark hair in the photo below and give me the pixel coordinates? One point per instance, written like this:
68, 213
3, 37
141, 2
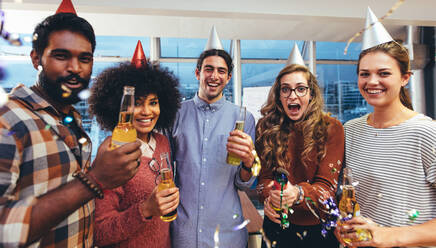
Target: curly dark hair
107, 90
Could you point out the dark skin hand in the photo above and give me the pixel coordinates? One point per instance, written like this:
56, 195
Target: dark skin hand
111, 168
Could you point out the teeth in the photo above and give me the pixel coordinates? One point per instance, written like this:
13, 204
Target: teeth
213, 85
374, 91
145, 121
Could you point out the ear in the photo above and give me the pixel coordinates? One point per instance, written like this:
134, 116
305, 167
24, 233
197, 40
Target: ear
228, 78
197, 73
405, 79
35, 59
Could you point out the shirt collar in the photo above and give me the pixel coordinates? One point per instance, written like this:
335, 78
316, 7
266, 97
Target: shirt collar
35, 101
201, 104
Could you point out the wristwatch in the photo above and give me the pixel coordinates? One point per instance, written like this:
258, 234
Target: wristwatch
300, 195
245, 168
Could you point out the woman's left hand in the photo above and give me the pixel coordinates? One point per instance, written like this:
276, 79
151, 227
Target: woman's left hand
290, 194
240, 144
380, 236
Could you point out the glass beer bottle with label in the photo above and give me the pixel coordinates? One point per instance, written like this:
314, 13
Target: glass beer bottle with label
233, 159
124, 132
166, 182
348, 206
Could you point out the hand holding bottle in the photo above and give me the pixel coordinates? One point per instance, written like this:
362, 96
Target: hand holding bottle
160, 202
113, 168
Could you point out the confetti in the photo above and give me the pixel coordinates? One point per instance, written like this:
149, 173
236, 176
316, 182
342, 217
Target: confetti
35, 37
68, 120
11, 133
299, 235
3, 97
274, 243
67, 91
331, 165
83, 140
242, 225
380, 195
216, 236
235, 216
47, 127
84, 94
413, 214
334, 170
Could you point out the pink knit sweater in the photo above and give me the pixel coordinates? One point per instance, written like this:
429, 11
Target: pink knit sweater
118, 221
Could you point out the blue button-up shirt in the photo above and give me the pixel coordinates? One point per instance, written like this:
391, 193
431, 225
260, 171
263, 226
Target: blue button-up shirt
208, 185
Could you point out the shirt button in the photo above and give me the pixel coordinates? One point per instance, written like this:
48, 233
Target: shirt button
201, 207
202, 183
204, 159
205, 139
200, 230
207, 120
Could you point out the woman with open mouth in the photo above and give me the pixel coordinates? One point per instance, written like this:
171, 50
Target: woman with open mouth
294, 136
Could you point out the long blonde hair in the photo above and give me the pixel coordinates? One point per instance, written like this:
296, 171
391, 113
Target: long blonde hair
275, 129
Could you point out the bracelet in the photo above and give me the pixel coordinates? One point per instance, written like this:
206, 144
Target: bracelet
300, 195
95, 181
83, 178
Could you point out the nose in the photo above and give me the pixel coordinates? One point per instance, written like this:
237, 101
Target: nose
74, 65
373, 79
145, 110
214, 74
293, 94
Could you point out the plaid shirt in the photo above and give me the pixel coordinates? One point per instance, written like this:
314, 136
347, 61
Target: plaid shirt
38, 153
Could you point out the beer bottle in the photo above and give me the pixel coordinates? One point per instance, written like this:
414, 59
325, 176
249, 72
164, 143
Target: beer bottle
348, 206
124, 132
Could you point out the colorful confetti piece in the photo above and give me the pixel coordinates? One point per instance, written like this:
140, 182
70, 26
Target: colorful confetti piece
84, 94
68, 120
235, 216
216, 236
413, 214
3, 97
242, 225
83, 140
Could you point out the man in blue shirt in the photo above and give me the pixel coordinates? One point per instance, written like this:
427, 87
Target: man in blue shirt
203, 135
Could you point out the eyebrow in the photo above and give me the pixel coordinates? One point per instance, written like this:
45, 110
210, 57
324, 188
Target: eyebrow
298, 84
212, 67
61, 50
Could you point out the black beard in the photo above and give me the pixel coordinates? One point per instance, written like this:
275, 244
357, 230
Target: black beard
54, 88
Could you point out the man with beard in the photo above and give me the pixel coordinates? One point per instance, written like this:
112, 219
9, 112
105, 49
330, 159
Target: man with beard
47, 186
202, 135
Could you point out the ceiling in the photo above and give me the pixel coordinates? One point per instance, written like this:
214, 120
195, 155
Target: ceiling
320, 20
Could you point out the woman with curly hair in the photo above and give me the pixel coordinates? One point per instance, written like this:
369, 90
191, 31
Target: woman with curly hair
297, 137
129, 216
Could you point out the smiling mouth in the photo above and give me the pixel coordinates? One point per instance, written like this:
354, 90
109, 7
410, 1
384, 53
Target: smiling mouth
374, 91
144, 121
213, 84
73, 84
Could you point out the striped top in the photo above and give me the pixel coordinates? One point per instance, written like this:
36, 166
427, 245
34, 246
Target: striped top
395, 168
